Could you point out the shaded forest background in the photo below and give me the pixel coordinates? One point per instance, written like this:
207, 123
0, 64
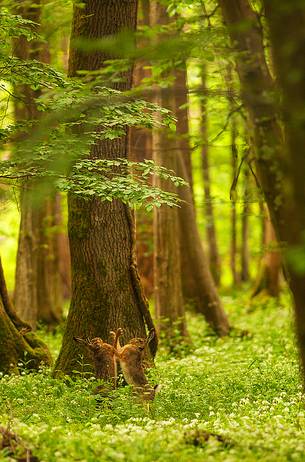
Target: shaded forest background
152, 189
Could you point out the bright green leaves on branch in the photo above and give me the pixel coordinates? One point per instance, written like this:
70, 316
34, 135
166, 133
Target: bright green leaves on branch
53, 152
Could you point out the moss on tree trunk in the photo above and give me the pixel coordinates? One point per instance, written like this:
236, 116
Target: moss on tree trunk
17, 347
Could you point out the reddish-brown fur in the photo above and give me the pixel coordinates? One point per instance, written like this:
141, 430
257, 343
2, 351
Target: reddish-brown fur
130, 357
103, 356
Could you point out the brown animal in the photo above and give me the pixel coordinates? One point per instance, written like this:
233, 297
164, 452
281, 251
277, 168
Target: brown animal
104, 359
130, 357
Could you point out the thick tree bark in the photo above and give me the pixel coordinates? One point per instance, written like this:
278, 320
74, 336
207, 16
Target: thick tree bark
106, 290
214, 258
16, 344
169, 301
37, 291
287, 32
280, 166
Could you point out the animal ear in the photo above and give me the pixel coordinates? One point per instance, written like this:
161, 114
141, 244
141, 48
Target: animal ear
116, 335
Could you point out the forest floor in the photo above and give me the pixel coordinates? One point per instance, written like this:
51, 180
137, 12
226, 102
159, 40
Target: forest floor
246, 390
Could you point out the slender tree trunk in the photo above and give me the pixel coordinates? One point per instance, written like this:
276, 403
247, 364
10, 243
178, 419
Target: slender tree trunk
233, 248
25, 295
257, 88
244, 275
181, 96
202, 291
62, 245
106, 290
17, 343
169, 301
214, 258
140, 148
49, 288
37, 291
197, 281
234, 166
268, 279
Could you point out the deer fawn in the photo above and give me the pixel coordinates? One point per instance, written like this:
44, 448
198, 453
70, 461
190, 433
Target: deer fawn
130, 357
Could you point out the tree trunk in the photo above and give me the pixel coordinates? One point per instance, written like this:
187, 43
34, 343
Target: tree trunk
181, 96
268, 280
280, 167
140, 148
214, 259
244, 275
106, 290
49, 288
169, 301
17, 343
233, 247
197, 281
202, 291
287, 33
62, 244
257, 88
37, 292
234, 167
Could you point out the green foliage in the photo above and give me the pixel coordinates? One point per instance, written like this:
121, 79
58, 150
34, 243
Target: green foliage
245, 389
75, 119
17, 71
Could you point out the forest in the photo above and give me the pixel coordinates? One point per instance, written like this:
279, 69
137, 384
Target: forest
152, 230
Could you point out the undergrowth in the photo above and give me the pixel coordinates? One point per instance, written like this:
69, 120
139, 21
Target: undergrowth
231, 399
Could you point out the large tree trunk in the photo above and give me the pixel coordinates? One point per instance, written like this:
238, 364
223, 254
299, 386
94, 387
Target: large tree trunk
106, 290
169, 301
287, 32
280, 167
37, 286
214, 258
17, 343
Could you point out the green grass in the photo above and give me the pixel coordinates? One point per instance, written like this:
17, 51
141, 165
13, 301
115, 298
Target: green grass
246, 389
